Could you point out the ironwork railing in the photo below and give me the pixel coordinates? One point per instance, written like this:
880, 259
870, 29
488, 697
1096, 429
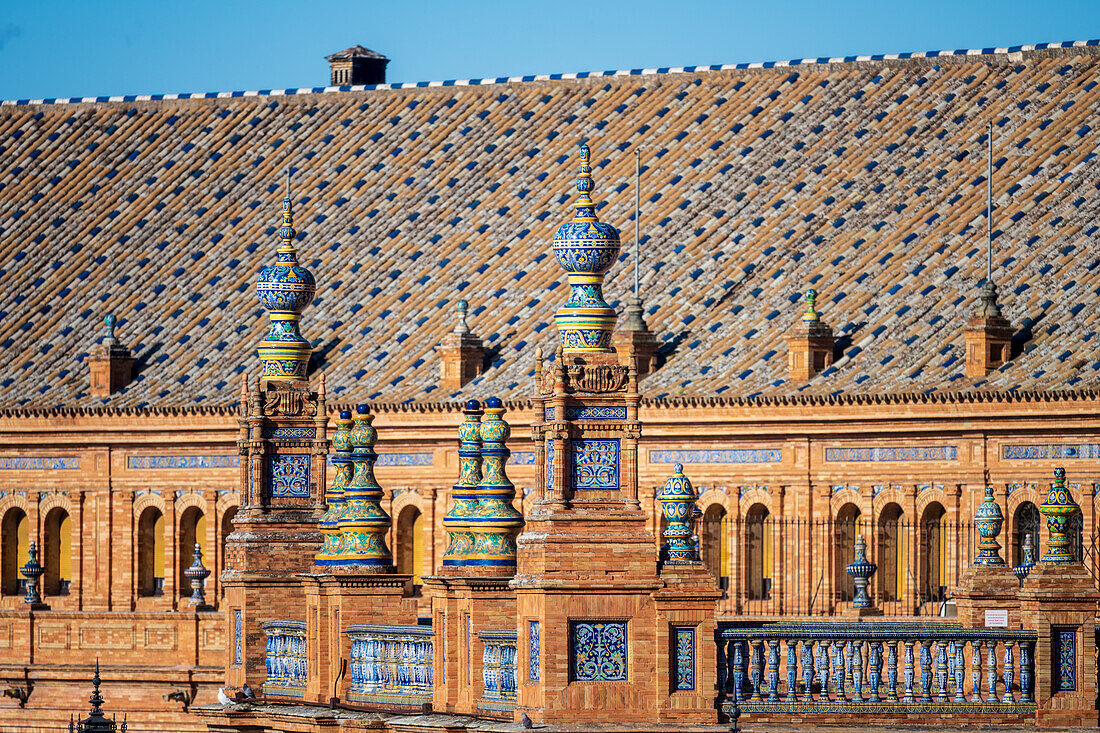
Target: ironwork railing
391, 665
286, 658
498, 670
875, 668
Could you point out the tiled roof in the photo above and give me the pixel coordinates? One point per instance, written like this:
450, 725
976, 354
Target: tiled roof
864, 180
355, 52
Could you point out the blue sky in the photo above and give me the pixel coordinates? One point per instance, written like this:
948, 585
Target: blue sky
67, 48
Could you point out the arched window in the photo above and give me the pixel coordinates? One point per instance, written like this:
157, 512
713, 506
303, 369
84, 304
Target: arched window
150, 577
1026, 522
15, 531
758, 553
227, 529
57, 553
933, 577
410, 543
192, 529
845, 529
714, 542
891, 555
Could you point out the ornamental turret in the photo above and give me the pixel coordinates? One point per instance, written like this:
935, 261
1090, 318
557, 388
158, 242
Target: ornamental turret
460, 537
1059, 509
497, 522
363, 522
810, 345
586, 248
342, 459
677, 499
285, 288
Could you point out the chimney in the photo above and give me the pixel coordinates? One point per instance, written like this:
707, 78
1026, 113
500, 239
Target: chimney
988, 336
635, 337
356, 65
461, 354
810, 345
110, 362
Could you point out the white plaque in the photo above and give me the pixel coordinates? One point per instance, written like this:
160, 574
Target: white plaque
995, 619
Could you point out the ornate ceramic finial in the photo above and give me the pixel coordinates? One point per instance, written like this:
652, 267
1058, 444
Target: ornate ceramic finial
197, 574
109, 338
586, 248
1059, 508
329, 524
462, 306
497, 522
363, 522
285, 289
861, 571
32, 571
811, 315
460, 538
989, 520
677, 499
1024, 568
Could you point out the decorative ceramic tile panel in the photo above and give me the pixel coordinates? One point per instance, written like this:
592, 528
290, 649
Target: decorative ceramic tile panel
595, 464
404, 459
1024, 452
288, 476
549, 465
185, 462
533, 647
40, 463
237, 636
577, 412
685, 659
599, 651
725, 455
469, 650
287, 433
522, 458
1065, 660
882, 454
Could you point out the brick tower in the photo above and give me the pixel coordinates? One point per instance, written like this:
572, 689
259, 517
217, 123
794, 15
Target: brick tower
599, 618
282, 445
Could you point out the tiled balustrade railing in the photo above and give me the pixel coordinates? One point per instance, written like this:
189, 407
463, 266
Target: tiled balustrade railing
286, 658
876, 668
390, 664
498, 670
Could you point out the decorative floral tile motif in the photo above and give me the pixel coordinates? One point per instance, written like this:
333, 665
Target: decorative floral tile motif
237, 636
176, 462
685, 659
882, 454
1065, 660
595, 464
1050, 450
730, 455
533, 646
40, 463
549, 466
288, 476
611, 412
599, 651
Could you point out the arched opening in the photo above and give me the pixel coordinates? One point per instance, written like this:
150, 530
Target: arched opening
891, 553
758, 553
1026, 523
714, 543
57, 553
845, 529
150, 577
227, 529
933, 576
410, 543
15, 538
192, 529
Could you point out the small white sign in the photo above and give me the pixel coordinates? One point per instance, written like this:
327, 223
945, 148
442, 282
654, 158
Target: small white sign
996, 619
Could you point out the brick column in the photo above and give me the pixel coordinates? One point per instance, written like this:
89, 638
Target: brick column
76, 587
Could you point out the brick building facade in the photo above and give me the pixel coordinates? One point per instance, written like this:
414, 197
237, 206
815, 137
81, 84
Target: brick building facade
856, 178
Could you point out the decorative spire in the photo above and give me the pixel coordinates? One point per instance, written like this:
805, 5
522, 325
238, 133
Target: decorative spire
497, 522
109, 338
32, 571
285, 289
811, 315
861, 570
460, 539
96, 722
989, 520
677, 499
1059, 509
197, 574
462, 306
1028, 561
586, 248
363, 522
329, 523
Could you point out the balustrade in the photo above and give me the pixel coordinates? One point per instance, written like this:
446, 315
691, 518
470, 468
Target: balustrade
838, 668
286, 658
498, 670
390, 665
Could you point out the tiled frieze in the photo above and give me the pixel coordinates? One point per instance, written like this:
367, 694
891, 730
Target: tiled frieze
1046, 451
40, 463
725, 455
886, 454
182, 462
590, 412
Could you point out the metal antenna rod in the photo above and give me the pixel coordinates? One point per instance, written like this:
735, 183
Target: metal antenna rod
288, 181
637, 211
989, 210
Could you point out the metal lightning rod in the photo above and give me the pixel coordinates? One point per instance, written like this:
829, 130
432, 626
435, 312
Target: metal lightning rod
637, 211
989, 209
